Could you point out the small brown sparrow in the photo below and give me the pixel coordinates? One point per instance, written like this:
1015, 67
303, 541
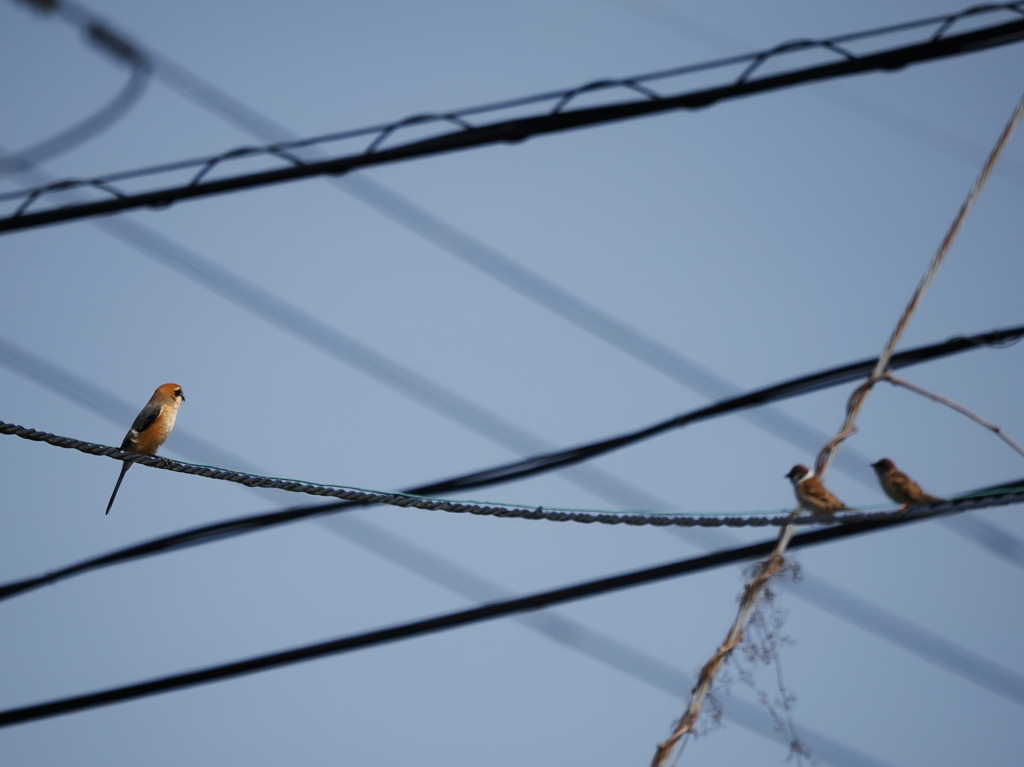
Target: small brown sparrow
899, 486
811, 494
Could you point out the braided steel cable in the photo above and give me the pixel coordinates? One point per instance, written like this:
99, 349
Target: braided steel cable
363, 497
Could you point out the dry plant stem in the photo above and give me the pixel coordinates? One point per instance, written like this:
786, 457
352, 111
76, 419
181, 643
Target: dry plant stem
958, 408
751, 592
826, 456
859, 395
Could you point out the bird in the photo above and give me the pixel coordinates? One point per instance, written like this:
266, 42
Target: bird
151, 427
899, 487
811, 494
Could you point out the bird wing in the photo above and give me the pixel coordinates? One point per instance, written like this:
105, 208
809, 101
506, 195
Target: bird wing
143, 421
820, 495
910, 490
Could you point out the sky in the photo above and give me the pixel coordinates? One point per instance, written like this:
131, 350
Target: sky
758, 239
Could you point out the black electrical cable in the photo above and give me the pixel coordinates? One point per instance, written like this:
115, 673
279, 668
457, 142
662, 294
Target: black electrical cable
430, 625
560, 119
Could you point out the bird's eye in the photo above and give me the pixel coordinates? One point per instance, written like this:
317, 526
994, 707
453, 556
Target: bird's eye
179, 393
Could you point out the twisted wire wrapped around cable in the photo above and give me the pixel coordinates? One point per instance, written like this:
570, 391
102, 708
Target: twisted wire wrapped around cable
839, 61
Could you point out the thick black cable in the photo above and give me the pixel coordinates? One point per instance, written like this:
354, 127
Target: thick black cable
236, 112
516, 130
430, 625
518, 469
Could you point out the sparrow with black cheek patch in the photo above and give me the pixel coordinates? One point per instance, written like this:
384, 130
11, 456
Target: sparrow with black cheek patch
811, 494
899, 487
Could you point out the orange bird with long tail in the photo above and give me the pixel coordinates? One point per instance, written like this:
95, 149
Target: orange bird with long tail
151, 427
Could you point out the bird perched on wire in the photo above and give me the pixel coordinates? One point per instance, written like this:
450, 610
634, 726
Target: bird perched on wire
811, 494
899, 487
151, 427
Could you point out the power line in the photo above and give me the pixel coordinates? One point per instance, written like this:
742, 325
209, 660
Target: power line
430, 625
465, 135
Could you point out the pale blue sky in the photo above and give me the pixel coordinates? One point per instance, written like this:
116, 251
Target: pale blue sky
764, 238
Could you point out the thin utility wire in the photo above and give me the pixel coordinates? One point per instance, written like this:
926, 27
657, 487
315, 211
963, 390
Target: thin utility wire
431, 625
842, 61
115, 409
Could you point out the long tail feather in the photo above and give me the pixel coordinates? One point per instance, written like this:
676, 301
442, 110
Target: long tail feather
124, 470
